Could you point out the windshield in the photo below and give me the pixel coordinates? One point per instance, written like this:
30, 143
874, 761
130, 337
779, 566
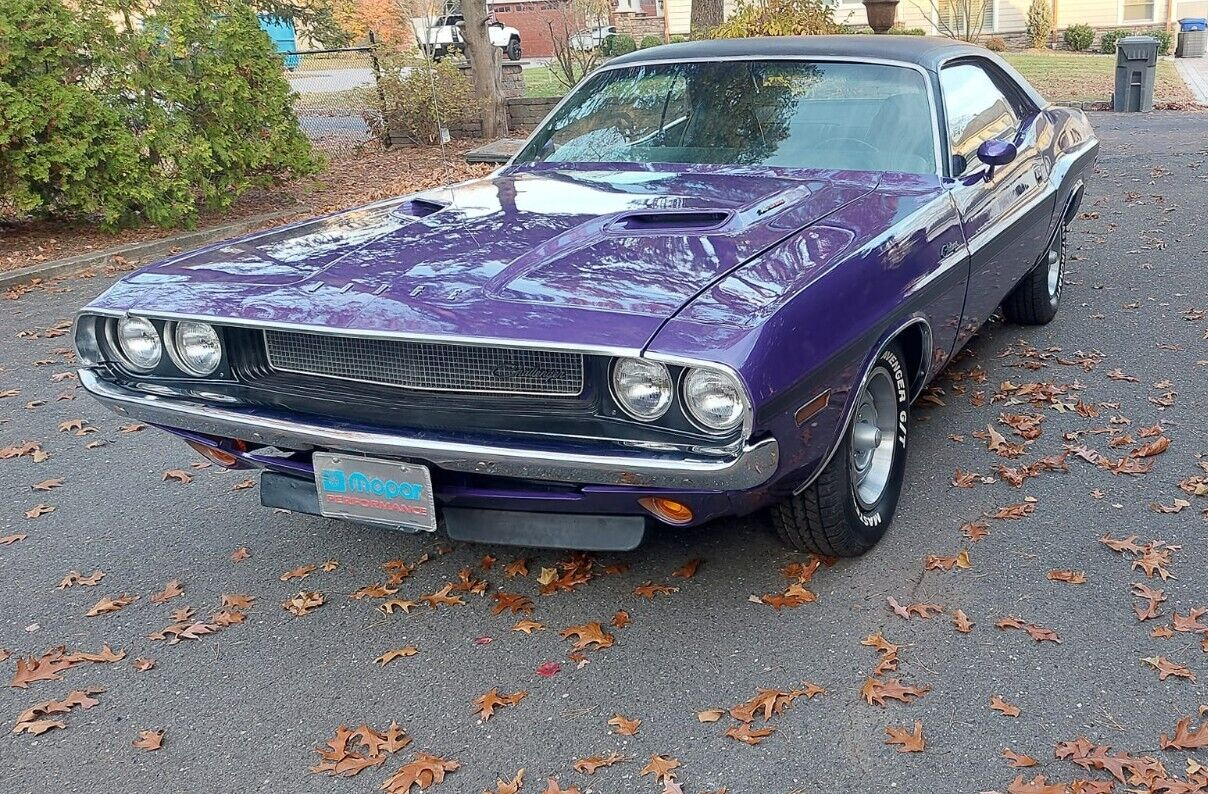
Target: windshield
793, 114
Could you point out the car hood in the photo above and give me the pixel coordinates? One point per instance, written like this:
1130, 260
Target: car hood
574, 256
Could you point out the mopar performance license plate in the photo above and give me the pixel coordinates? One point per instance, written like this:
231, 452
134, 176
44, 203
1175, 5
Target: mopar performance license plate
378, 491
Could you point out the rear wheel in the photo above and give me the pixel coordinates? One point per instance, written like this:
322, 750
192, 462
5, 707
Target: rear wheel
513, 49
847, 509
1036, 299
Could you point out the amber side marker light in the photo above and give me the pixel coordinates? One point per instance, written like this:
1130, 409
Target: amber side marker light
666, 509
224, 459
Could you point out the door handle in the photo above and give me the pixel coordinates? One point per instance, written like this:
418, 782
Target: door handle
1021, 188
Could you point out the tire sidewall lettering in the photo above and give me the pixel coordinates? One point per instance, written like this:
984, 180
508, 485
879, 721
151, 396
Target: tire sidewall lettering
890, 361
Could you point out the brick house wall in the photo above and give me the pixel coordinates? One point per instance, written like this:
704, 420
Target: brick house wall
638, 25
532, 18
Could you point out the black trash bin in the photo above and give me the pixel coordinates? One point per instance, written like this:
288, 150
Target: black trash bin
1136, 66
1193, 38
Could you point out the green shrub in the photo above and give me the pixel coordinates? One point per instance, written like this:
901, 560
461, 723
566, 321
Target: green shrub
899, 31
620, 44
1165, 40
678, 39
1079, 37
412, 109
777, 18
127, 124
650, 41
1040, 22
996, 44
1107, 42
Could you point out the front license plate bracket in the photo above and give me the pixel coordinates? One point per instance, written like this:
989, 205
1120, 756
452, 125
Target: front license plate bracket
375, 491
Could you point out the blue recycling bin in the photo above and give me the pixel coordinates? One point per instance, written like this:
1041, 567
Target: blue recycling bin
285, 38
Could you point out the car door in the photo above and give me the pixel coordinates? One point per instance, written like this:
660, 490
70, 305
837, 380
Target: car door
1005, 210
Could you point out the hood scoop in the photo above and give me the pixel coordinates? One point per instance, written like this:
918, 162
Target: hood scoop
670, 220
420, 207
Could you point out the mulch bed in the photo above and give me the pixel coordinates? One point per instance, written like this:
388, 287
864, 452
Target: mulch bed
350, 179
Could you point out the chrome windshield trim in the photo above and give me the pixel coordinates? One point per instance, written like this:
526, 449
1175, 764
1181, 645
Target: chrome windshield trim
932, 101
753, 466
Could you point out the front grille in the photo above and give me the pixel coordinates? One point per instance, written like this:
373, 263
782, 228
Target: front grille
427, 366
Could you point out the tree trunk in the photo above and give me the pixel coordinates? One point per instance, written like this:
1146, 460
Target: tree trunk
485, 66
707, 14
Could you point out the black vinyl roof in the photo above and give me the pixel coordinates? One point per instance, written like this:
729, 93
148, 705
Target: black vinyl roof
926, 51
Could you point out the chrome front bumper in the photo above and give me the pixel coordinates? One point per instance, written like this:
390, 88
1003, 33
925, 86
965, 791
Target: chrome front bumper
752, 466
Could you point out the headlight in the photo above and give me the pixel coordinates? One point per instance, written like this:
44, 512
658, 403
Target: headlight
642, 388
198, 349
714, 399
139, 342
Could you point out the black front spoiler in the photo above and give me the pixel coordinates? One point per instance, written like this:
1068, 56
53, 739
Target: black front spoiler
505, 527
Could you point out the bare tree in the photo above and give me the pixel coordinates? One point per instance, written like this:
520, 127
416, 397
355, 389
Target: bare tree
576, 56
485, 65
959, 19
707, 14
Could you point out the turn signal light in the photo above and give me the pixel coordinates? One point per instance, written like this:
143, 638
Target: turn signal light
224, 459
666, 509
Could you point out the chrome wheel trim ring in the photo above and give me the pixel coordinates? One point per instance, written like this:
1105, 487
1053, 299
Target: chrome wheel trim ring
871, 438
1056, 263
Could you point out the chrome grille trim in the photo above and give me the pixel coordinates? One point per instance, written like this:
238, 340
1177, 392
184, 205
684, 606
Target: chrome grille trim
427, 366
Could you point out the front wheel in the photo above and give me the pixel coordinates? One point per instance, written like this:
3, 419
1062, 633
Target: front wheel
513, 49
1036, 299
847, 509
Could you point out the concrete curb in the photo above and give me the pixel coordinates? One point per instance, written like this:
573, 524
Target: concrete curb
141, 251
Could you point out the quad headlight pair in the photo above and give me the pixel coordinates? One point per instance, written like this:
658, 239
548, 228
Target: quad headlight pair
644, 389
192, 346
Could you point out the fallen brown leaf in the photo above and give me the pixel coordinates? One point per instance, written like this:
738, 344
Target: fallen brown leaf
907, 741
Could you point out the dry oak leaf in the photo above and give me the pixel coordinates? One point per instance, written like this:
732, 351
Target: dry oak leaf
149, 741
142, 665
74, 577
907, 741
238, 601
388, 606
109, 604
1067, 576
47, 485
243, 485
8, 540
516, 604
588, 766
39, 510
1167, 668
304, 603
180, 475
1003, 707
771, 702
1038, 633
301, 572
37, 727
485, 705
1122, 545
184, 631
517, 567
240, 554
877, 692
936, 563
1190, 622
661, 767
171, 590
426, 770
1153, 561
374, 590
710, 715
443, 597
397, 653
744, 733
508, 787
588, 634
1155, 447
1037, 785
688, 569
888, 650
1016, 760
650, 589
961, 621
1185, 737
620, 620
624, 726
1011, 512
552, 786
794, 596
975, 530
528, 626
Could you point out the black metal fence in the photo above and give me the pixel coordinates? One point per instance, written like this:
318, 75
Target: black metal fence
335, 90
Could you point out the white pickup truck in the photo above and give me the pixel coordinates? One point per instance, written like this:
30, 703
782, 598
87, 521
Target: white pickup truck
445, 35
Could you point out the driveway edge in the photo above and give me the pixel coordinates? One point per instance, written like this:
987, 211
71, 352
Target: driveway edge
140, 251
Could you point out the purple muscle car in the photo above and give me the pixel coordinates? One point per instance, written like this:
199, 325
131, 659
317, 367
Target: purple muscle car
712, 282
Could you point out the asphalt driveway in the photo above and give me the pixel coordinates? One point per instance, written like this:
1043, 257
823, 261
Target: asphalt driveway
244, 707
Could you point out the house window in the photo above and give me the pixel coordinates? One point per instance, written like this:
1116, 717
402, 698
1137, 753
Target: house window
1137, 11
960, 18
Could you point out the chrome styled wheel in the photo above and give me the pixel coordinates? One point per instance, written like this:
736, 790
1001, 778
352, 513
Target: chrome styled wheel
873, 430
1056, 267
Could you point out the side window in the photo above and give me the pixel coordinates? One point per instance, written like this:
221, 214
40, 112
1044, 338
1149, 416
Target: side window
977, 111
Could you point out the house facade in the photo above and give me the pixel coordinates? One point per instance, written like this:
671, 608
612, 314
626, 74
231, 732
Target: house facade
1003, 18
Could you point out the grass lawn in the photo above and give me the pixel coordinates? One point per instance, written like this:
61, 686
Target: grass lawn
1060, 76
